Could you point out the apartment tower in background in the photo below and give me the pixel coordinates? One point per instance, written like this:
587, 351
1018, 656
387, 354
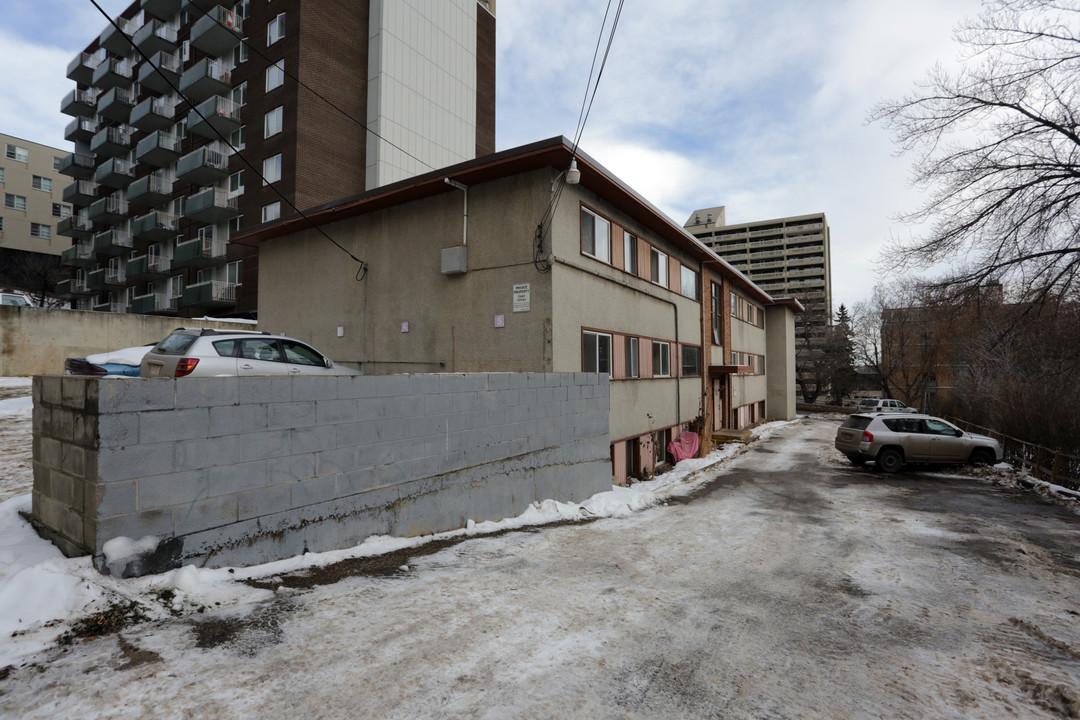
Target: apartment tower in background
193, 121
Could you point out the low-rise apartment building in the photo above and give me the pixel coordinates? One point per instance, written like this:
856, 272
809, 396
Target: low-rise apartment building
503, 263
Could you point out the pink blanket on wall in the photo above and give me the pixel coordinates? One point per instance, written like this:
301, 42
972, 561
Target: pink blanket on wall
686, 446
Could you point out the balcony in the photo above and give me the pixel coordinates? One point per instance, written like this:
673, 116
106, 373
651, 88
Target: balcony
215, 115
112, 142
80, 255
162, 69
81, 193
205, 79
154, 37
154, 226
81, 129
211, 205
150, 191
164, 9
77, 227
147, 268
108, 210
117, 42
81, 68
216, 32
73, 288
159, 149
201, 252
78, 166
116, 104
115, 173
153, 114
113, 73
79, 103
203, 166
155, 304
113, 307
115, 242
116, 277
95, 281
212, 294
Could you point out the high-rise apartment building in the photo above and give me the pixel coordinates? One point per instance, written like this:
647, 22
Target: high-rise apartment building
194, 121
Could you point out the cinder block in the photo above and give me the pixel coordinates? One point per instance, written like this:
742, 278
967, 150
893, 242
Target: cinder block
536, 380
49, 451
356, 481
357, 434
74, 460
133, 461
313, 490
375, 408
255, 390
73, 391
500, 416
292, 468
423, 384
373, 455
120, 498
475, 419
135, 394
355, 386
120, 429
390, 385
260, 445
338, 460
42, 478
204, 514
207, 392
290, 415
204, 453
425, 467
332, 412
436, 404
62, 424
307, 388
237, 419
176, 424
51, 389
228, 479
498, 381
134, 525
260, 502
313, 439
407, 406
161, 491
451, 462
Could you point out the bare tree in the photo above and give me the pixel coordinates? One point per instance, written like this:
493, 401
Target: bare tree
998, 147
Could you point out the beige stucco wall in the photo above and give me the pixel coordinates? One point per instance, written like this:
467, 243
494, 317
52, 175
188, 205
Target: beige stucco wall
36, 341
780, 362
18, 180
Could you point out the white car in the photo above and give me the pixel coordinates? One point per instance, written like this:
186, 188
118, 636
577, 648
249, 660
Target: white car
884, 405
198, 352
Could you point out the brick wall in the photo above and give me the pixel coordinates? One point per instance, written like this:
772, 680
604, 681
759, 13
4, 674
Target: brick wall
236, 471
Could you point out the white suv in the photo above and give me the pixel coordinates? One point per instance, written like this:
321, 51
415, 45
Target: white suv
884, 405
891, 441
197, 352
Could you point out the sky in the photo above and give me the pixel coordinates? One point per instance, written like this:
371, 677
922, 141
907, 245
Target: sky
759, 107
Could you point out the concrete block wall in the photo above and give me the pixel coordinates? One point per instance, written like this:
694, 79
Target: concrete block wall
237, 471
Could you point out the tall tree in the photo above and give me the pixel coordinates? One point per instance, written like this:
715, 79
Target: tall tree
998, 147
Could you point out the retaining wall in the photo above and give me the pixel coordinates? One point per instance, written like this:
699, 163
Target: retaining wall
237, 471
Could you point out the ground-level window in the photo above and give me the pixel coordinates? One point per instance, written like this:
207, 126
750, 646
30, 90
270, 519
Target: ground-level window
596, 352
661, 359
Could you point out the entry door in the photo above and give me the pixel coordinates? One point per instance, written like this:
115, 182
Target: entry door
718, 403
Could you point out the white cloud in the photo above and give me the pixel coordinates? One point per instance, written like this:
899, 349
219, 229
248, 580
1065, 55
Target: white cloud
32, 85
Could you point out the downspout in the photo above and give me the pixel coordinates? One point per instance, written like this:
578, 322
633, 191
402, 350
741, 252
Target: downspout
674, 307
465, 225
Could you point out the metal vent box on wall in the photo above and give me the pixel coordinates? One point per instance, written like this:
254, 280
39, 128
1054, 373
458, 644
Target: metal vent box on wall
455, 260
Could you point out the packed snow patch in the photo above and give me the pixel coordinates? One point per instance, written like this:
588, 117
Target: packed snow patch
125, 356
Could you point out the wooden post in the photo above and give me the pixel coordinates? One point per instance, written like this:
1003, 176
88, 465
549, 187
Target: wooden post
1056, 468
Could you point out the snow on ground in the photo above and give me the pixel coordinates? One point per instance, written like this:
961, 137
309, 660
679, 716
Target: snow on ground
42, 593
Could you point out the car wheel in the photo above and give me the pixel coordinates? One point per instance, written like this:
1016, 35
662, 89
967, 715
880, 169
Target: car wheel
856, 460
890, 460
982, 456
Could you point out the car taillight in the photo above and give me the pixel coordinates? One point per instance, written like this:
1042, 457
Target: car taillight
867, 437
185, 366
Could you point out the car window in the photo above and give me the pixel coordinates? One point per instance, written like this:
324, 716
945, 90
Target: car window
301, 354
260, 349
174, 344
226, 348
15, 300
857, 422
939, 427
904, 425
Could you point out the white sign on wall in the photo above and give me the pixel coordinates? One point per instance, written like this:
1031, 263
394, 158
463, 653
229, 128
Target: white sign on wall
522, 297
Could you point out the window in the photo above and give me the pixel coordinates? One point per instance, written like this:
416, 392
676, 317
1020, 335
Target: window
658, 263
689, 282
240, 52
176, 286
236, 223
275, 75
631, 357
272, 121
717, 314
629, 253
242, 9
14, 152
661, 359
56, 163
40, 231
595, 236
1, 174
236, 183
275, 29
15, 202
60, 210
239, 94
271, 211
235, 273
1, 224
691, 361
760, 364
238, 138
596, 355
41, 183
299, 354
272, 169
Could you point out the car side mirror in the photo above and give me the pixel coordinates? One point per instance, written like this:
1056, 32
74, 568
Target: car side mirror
328, 363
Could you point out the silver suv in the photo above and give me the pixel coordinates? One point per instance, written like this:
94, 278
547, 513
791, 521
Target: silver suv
197, 352
891, 441
884, 405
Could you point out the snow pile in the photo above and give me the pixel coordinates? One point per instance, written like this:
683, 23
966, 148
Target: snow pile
126, 356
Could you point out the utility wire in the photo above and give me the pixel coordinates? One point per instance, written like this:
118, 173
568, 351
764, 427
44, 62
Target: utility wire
361, 273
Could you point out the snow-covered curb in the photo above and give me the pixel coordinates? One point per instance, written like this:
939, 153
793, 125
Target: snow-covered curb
42, 593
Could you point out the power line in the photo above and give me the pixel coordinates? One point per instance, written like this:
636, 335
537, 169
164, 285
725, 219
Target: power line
361, 273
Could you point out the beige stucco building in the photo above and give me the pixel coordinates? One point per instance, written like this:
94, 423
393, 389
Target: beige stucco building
33, 202
501, 264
